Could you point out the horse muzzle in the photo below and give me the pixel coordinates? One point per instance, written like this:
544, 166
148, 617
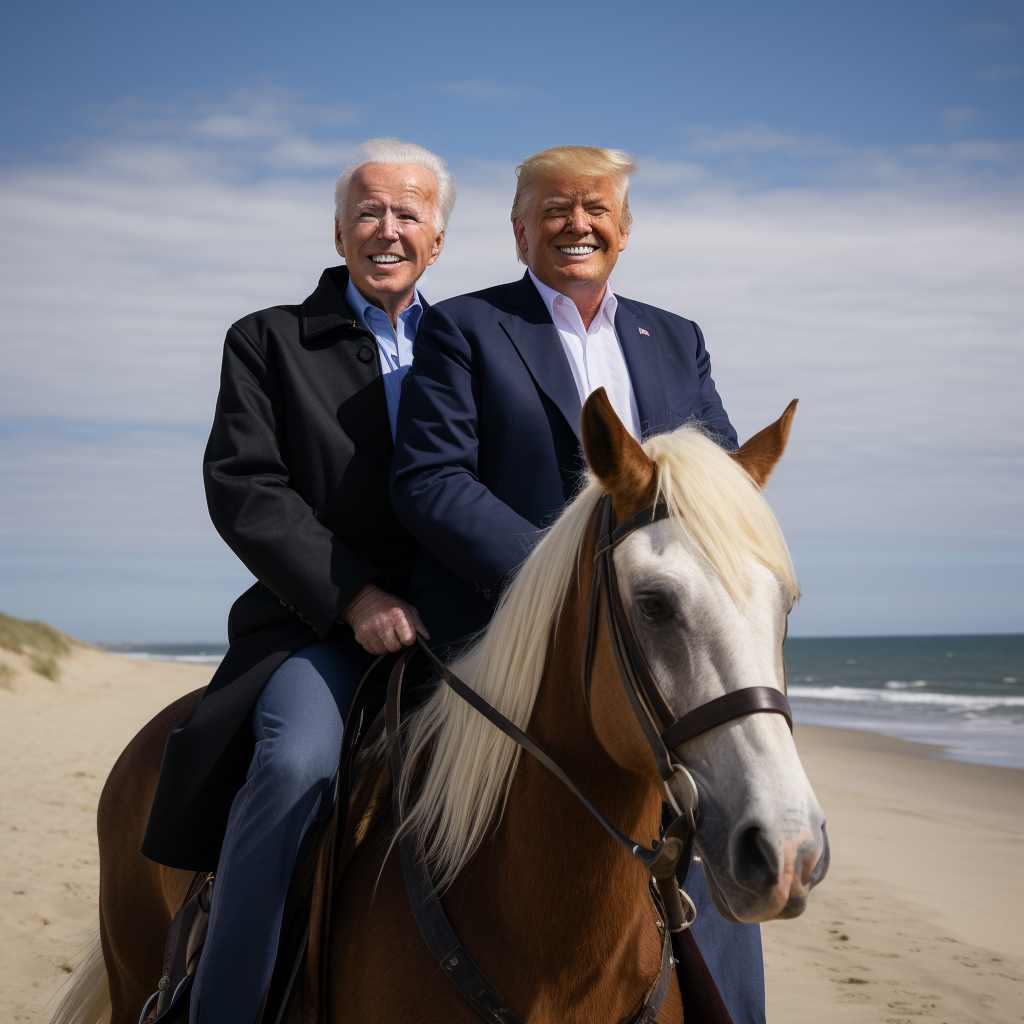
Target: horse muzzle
762, 877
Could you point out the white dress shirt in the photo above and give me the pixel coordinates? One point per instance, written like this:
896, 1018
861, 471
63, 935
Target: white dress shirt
395, 348
594, 354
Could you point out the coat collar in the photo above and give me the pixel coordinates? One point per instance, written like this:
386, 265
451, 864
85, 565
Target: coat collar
642, 353
530, 329
327, 309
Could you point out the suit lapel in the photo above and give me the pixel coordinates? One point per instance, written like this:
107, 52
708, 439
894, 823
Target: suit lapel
643, 360
536, 340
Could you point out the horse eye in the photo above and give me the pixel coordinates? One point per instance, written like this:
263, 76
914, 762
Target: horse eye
653, 608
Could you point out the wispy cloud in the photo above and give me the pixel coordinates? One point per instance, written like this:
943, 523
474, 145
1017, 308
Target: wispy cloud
886, 297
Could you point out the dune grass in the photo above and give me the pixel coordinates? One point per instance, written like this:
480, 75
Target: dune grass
17, 634
42, 643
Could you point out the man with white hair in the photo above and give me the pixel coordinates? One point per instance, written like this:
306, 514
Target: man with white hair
488, 446
296, 474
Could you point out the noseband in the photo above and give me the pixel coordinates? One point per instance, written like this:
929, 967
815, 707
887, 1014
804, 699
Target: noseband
667, 859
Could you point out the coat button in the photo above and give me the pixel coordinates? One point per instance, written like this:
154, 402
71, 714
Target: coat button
365, 354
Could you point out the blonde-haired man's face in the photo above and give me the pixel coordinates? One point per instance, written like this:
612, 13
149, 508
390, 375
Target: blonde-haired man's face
570, 234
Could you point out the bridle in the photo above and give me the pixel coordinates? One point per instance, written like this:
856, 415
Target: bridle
667, 860
662, 729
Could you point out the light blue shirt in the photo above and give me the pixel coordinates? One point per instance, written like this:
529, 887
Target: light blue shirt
395, 348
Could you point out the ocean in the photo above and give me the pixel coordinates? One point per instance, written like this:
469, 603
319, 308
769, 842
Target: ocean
962, 693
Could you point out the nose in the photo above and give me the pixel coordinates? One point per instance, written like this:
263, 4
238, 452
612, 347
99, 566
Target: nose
755, 861
758, 862
388, 228
579, 222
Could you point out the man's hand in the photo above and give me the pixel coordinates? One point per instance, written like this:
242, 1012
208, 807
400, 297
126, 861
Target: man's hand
382, 622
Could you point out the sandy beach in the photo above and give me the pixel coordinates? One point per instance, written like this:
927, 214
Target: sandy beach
919, 918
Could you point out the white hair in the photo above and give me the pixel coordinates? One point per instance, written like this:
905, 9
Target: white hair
389, 150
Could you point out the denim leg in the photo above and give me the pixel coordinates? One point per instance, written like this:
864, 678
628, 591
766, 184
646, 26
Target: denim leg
298, 723
732, 953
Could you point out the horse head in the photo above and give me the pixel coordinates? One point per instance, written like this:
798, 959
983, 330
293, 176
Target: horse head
708, 591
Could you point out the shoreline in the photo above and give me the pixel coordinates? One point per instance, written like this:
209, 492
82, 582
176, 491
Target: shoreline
917, 920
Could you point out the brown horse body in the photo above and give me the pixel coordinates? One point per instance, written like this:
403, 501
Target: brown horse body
556, 915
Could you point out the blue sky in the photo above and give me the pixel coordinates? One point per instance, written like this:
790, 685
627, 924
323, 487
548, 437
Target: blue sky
832, 190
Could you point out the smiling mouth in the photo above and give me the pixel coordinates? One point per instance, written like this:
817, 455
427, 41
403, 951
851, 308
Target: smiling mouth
385, 259
576, 250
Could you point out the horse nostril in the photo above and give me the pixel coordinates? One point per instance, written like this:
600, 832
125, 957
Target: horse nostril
755, 862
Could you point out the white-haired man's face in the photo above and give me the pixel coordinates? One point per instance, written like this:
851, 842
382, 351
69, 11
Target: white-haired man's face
570, 234
389, 233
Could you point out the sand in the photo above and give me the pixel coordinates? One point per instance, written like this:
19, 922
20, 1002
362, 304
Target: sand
917, 921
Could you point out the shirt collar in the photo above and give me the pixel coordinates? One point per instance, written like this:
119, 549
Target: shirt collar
360, 305
609, 304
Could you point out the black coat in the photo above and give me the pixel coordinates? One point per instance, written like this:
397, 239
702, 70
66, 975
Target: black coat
296, 474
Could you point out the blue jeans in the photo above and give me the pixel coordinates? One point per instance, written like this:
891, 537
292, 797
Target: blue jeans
732, 953
298, 723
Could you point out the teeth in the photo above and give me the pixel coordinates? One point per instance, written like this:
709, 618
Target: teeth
577, 250
386, 259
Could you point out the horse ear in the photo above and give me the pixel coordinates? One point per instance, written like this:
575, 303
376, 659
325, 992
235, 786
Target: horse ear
760, 454
616, 457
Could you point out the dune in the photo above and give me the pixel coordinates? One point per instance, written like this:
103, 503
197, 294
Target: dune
918, 919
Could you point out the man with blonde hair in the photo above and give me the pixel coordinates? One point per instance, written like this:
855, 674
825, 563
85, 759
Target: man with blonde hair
296, 474
488, 444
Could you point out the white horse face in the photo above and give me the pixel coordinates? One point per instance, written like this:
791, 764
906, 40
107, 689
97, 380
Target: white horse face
760, 830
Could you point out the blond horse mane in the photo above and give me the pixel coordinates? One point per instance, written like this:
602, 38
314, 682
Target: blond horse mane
461, 764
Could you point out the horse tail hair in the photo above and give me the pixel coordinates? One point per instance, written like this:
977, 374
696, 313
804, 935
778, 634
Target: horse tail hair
86, 997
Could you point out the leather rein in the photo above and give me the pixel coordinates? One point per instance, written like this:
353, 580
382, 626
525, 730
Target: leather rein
667, 860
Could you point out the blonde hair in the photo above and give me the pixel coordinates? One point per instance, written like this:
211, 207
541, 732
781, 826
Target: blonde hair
591, 161
468, 763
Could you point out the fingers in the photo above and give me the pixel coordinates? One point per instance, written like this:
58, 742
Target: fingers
405, 626
418, 623
382, 622
391, 640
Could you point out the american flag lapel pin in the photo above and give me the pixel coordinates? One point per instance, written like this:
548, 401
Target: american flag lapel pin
646, 334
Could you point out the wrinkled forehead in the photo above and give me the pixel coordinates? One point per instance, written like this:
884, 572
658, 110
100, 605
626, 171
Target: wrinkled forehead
572, 189
392, 183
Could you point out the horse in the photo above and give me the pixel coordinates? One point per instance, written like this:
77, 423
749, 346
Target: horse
542, 898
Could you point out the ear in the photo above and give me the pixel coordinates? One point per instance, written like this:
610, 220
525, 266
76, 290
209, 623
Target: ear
616, 458
338, 243
436, 251
760, 454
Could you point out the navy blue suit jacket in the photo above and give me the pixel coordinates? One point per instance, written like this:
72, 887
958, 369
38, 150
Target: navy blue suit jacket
488, 444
